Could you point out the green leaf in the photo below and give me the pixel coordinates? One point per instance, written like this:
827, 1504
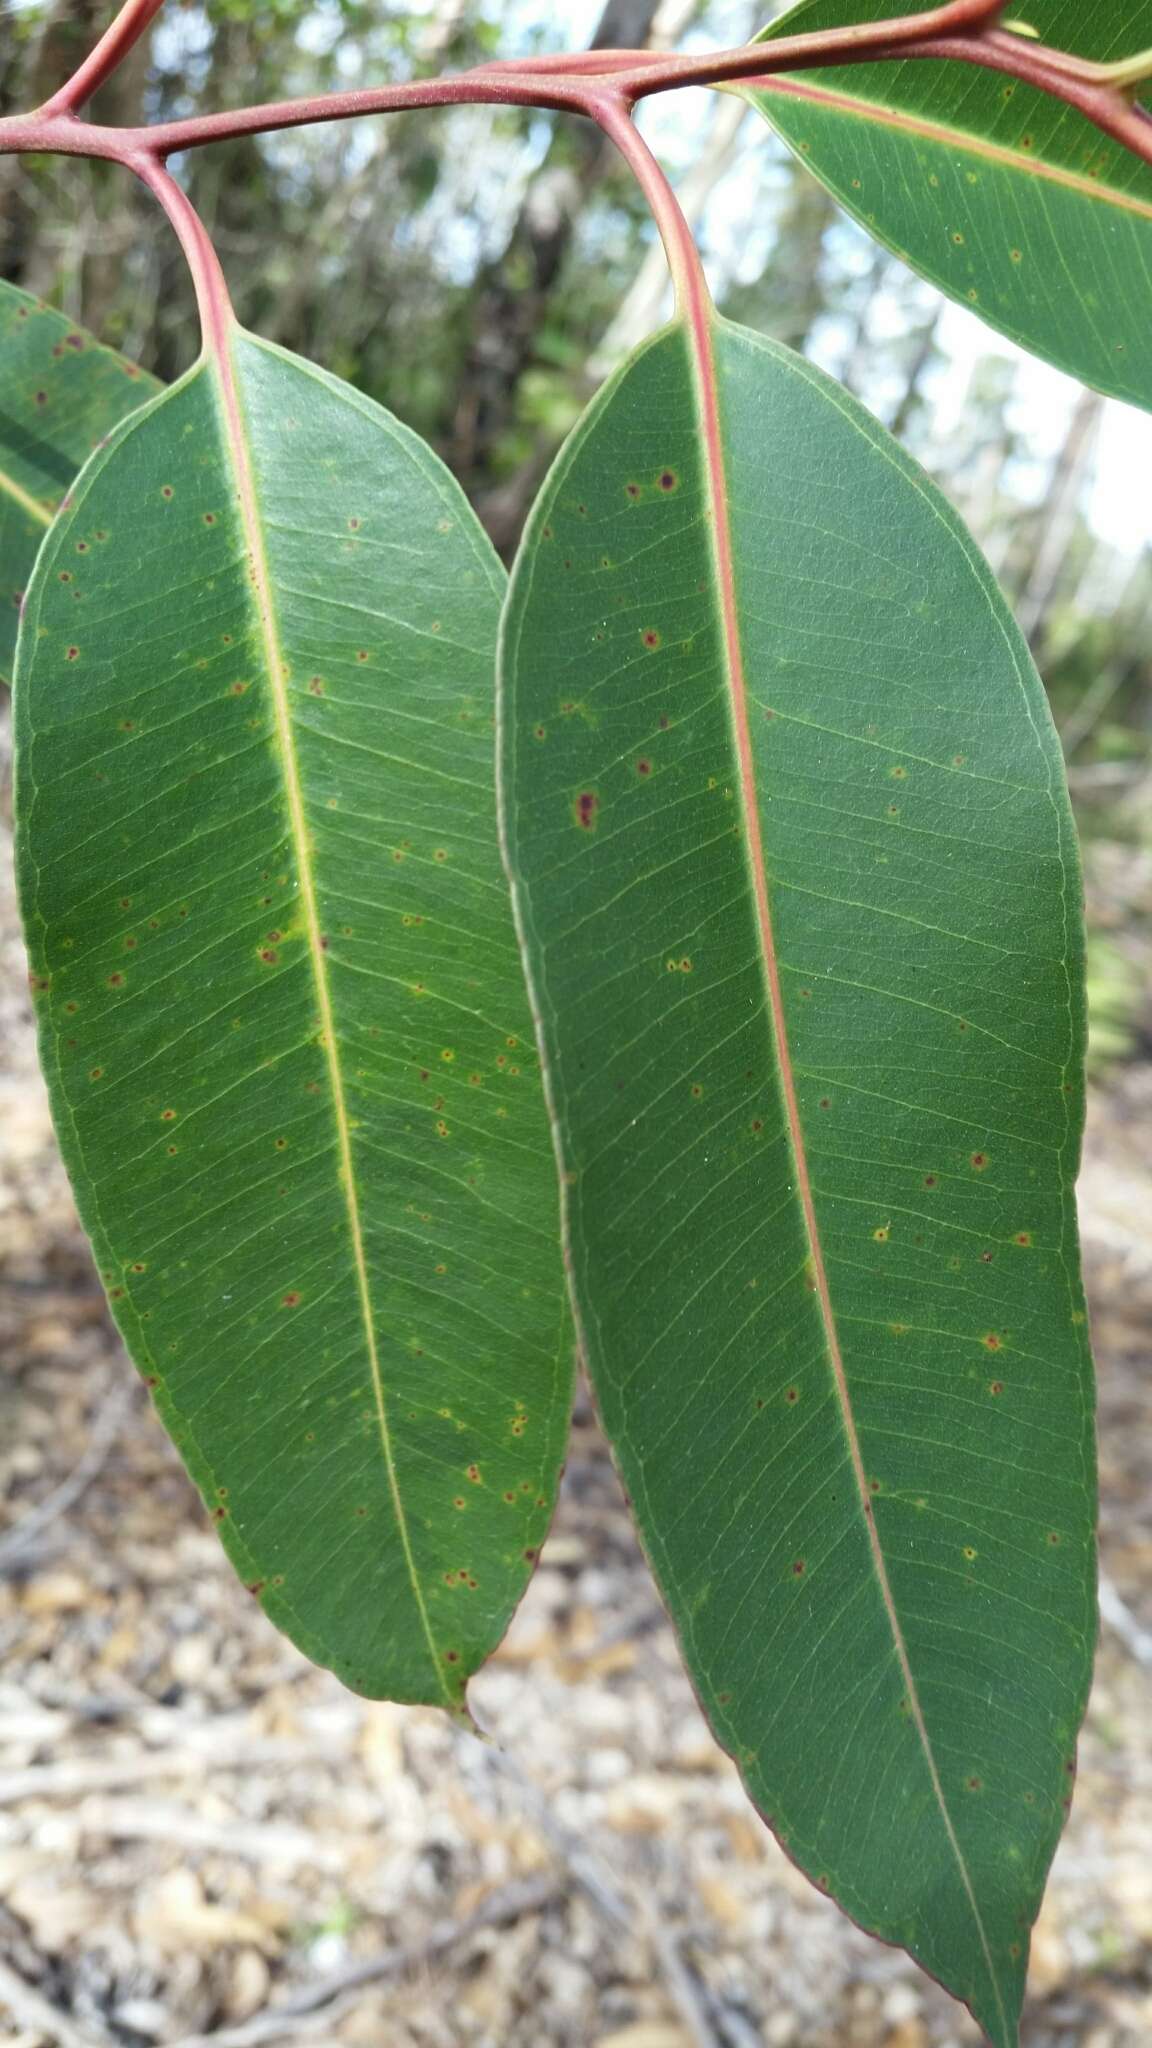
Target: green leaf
61, 393
283, 1018
799, 895
1008, 200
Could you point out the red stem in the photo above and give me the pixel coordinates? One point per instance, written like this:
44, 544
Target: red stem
212, 300
692, 295
969, 18
599, 84
63, 134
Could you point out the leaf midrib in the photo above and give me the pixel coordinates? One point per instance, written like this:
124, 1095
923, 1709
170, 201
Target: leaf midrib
252, 521
699, 320
959, 138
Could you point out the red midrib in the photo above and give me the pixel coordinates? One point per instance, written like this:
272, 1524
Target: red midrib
699, 317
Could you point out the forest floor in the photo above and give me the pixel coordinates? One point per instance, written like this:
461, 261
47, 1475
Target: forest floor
198, 1831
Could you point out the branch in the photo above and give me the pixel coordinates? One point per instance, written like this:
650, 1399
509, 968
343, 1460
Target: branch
594, 81
1123, 1622
29, 2008
967, 20
602, 85
514, 1902
16, 1540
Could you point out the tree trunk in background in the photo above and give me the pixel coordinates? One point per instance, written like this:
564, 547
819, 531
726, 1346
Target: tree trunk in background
512, 294
853, 368
96, 208
672, 18
912, 396
65, 35
1059, 517
793, 286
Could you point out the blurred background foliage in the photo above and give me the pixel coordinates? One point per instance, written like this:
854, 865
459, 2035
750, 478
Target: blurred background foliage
479, 270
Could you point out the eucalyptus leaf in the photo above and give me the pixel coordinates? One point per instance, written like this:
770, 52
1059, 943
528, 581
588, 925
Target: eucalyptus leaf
1007, 199
62, 394
798, 890
283, 1019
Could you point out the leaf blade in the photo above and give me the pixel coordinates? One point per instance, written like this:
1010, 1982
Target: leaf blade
1008, 201
63, 391
702, 1286
298, 1135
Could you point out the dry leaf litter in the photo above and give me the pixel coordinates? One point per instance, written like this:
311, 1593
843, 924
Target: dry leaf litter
202, 1839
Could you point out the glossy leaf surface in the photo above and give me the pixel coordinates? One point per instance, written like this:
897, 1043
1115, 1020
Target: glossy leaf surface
1007, 199
799, 896
284, 1023
60, 393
